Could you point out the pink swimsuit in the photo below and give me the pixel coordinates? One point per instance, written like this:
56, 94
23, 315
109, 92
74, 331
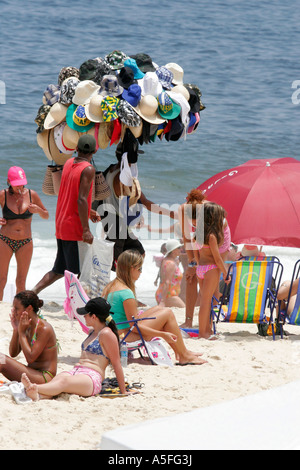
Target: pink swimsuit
227, 240
203, 269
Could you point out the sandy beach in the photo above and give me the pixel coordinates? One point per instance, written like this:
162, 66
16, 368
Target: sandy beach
239, 363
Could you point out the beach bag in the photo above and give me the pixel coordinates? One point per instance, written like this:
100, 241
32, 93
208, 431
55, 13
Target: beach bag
158, 353
47, 186
52, 179
101, 190
96, 266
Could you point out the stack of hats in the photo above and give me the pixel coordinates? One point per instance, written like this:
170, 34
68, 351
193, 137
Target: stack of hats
106, 96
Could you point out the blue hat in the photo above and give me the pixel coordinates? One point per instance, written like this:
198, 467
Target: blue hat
77, 119
51, 95
165, 76
133, 95
167, 108
133, 65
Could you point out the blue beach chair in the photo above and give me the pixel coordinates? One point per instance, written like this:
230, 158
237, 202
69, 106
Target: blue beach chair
136, 345
253, 289
155, 349
294, 317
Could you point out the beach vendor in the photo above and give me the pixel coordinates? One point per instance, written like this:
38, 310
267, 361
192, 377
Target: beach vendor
122, 210
121, 294
73, 212
34, 337
18, 206
98, 350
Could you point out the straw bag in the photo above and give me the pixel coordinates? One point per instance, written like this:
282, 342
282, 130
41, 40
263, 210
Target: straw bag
101, 190
47, 186
52, 179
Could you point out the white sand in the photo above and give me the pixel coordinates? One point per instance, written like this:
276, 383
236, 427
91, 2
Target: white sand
239, 363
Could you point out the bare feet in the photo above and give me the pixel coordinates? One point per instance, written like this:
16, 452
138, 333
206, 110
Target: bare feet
187, 324
30, 388
191, 358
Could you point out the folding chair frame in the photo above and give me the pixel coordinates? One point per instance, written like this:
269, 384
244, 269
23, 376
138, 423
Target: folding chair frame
282, 314
135, 325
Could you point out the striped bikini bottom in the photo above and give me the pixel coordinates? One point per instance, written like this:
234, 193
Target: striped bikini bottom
15, 245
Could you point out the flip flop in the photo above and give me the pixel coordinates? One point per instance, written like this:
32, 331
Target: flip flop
190, 364
213, 337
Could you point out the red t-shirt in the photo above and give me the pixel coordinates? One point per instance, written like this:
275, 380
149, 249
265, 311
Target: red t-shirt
67, 220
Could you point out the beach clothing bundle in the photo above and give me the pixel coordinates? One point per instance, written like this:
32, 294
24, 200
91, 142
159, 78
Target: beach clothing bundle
106, 96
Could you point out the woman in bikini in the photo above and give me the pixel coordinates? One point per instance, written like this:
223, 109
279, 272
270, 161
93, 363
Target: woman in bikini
99, 349
167, 294
120, 293
210, 263
18, 205
188, 220
32, 336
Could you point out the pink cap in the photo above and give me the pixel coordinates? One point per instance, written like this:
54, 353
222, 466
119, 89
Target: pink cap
16, 176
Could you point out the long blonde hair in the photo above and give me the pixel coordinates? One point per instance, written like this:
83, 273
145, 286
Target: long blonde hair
127, 260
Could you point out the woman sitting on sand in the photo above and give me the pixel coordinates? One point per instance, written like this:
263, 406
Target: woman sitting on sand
167, 294
120, 293
99, 349
18, 206
34, 337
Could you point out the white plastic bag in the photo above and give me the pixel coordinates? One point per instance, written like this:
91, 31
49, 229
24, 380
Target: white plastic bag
95, 266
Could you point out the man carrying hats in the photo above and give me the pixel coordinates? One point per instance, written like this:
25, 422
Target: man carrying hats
73, 212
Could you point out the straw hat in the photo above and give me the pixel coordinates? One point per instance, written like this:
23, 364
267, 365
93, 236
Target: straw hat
171, 245
147, 109
181, 89
70, 137
105, 134
58, 138
42, 140
93, 109
137, 130
177, 72
56, 155
84, 92
56, 115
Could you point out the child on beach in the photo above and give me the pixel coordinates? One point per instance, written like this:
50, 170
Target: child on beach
120, 293
209, 262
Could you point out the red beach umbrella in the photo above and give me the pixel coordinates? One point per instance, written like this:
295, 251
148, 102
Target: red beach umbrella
262, 201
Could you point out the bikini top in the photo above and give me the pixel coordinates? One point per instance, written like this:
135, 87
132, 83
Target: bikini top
94, 347
8, 214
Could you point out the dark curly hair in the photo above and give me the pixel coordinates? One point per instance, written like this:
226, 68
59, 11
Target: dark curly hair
28, 297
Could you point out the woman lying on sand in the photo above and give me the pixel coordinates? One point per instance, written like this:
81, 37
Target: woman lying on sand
120, 293
34, 337
99, 349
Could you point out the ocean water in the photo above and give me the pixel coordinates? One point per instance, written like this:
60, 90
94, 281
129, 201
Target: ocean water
244, 56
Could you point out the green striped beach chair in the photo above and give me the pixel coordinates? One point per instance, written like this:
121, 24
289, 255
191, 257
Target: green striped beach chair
253, 290
294, 317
